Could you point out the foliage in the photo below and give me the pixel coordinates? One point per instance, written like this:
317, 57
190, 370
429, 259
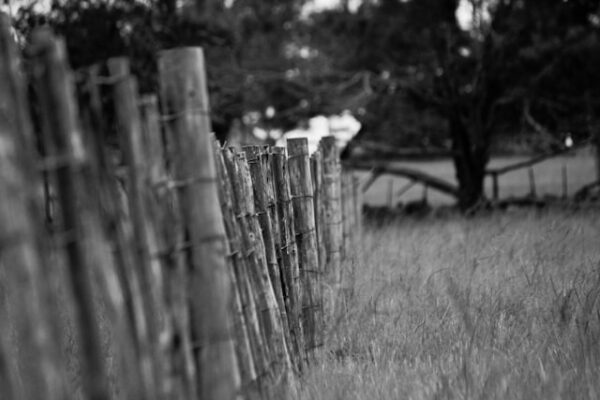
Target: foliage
245, 47
513, 70
410, 72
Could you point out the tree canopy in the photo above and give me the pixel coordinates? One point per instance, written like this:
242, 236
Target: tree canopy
407, 69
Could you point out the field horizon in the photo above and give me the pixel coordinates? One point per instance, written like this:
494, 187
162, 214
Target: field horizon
493, 307
580, 170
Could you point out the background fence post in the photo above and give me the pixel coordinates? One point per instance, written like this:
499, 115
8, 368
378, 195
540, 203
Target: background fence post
301, 190
185, 99
244, 322
288, 251
248, 272
331, 219
262, 193
275, 337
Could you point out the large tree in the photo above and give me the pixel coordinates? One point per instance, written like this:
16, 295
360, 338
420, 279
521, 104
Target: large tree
531, 63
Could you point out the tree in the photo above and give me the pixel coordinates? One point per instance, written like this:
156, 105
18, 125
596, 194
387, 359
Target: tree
248, 45
513, 68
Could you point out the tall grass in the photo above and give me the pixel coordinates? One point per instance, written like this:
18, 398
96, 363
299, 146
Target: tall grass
501, 307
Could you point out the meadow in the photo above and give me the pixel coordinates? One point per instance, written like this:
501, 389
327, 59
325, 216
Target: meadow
580, 169
497, 306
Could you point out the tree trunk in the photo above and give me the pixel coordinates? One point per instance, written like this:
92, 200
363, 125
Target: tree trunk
471, 156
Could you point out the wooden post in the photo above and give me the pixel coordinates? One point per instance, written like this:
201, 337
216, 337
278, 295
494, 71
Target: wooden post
565, 182
111, 222
246, 326
316, 172
532, 191
331, 217
390, 196
262, 193
346, 192
26, 321
275, 335
495, 188
304, 221
358, 207
65, 144
251, 271
289, 252
596, 145
165, 213
96, 122
350, 213
129, 127
185, 99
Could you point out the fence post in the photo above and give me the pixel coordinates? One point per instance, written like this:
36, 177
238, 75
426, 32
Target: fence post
165, 214
274, 324
358, 206
301, 189
495, 188
565, 181
54, 81
331, 219
532, 190
253, 271
129, 127
288, 251
37, 374
315, 173
246, 324
185, 97
262, 193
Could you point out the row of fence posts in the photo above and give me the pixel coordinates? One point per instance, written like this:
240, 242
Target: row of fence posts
170, 268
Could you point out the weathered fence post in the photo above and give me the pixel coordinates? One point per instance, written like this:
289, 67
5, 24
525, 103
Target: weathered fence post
565, 182
252, 270
262, 194
315, 173
274, 327
185, 100
495, 187
54, 82
532, 189
37, 372
301, 189
288, 251
164, 211
245, 324
331, 220
129, 127
345, 201
358, 206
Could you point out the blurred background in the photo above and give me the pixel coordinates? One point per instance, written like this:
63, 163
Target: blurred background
454, 85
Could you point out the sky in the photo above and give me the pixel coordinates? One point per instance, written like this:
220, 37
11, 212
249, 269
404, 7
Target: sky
463, 13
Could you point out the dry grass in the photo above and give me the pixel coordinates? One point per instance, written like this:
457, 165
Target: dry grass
501, 307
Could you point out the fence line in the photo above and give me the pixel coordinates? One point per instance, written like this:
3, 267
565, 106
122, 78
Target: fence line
168, 267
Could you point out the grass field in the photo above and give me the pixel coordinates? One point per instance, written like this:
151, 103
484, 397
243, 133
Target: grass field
496, 307
548, 176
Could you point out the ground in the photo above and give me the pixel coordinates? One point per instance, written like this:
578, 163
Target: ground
501, 306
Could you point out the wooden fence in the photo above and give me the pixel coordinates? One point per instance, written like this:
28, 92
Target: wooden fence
161, 266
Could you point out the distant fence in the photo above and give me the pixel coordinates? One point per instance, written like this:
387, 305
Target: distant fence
377, 168
164, 267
